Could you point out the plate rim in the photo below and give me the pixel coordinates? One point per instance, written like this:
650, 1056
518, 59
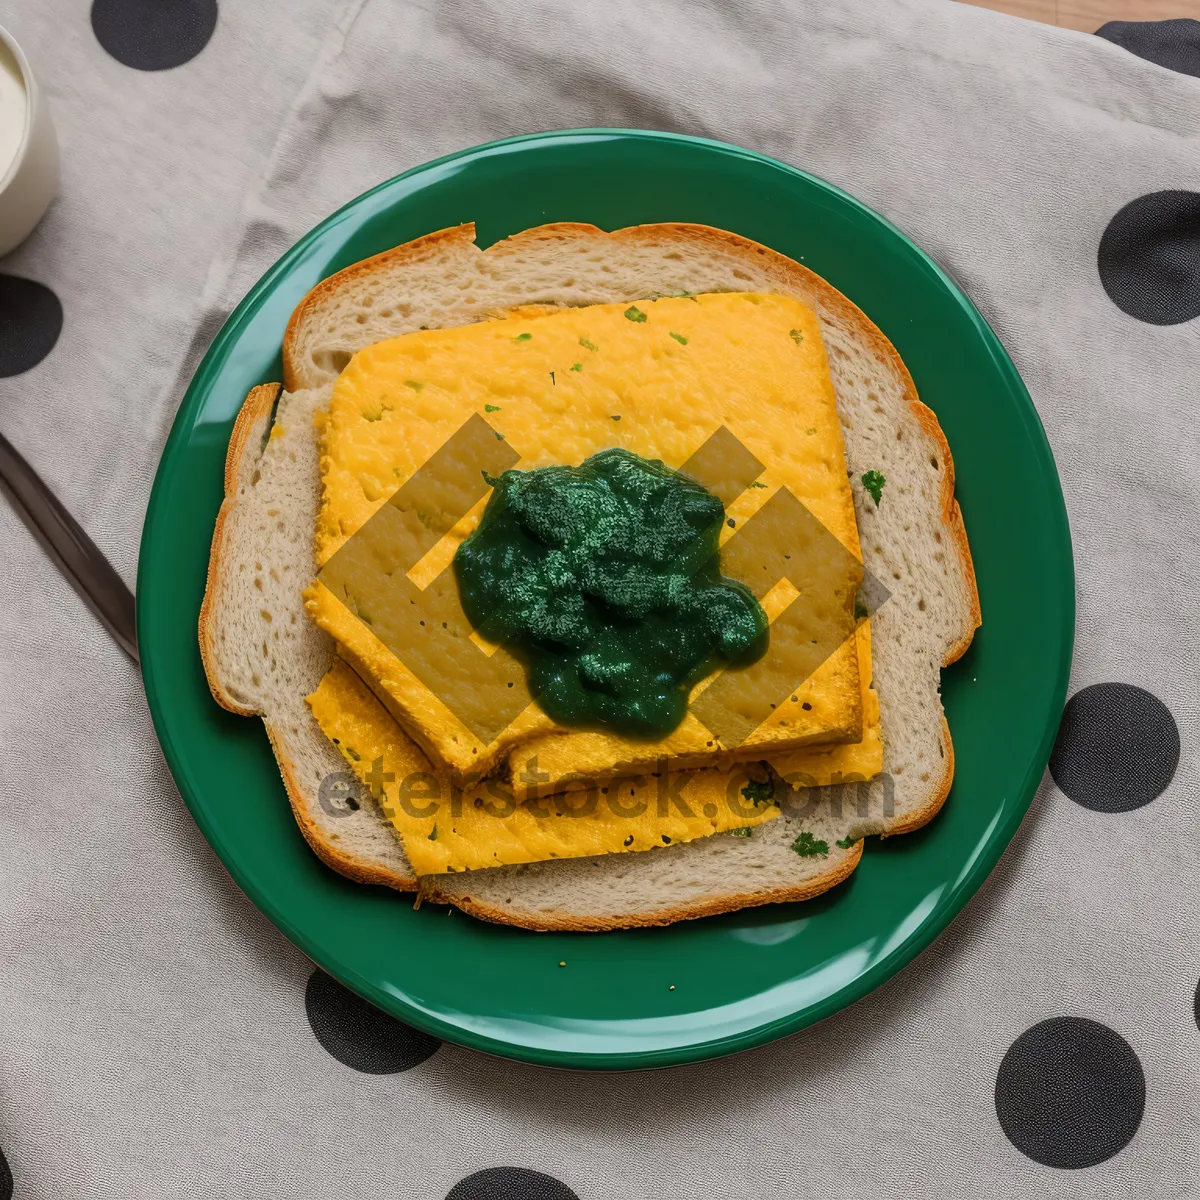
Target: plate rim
950, 903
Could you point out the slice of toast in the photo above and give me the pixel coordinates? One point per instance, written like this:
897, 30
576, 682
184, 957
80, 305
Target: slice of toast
261, 653
262, 656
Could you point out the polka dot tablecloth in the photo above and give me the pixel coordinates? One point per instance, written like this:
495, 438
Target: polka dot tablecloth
160, 1039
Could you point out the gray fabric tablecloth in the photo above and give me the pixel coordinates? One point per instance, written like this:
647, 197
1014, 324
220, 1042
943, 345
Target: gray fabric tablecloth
159, 1038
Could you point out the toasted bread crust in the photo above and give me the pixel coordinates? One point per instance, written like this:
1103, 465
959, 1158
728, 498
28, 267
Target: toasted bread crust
410, 252
255, 411
358, 869
243, 453
786, 274
576, 923
252, 418
937, 796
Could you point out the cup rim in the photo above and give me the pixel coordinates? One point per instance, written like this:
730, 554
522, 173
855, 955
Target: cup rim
31, 97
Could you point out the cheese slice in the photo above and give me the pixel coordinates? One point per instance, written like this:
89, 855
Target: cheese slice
821, 766
557, 762
659, 378
445, 828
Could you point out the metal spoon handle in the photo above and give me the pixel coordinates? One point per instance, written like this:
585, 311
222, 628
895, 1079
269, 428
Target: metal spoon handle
74, 553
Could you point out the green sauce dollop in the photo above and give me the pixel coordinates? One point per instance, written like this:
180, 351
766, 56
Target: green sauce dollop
604, 579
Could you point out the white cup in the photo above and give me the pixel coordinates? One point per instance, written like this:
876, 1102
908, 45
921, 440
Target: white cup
28, 148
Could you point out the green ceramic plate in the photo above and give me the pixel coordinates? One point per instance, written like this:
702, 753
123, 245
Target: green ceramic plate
743, 979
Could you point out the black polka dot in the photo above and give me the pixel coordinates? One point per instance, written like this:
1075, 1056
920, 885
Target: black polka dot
358, 1034
1070, 1092
6, 1179
30, 321
1117, 748
1172, 44
153, 35
510, 1183
1149, 258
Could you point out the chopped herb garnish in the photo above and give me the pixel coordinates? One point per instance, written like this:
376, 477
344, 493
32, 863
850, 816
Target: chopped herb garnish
758, 485
588, 345
499, 437
614, 418
731, 523
687, 296
633, 313
491, 408
523, 337
796, 336
433, 834
679, 338
808, 846
745, 831
577, 367
846, 842
759, 791
860, 610
552, 379
415, 384
873, 481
